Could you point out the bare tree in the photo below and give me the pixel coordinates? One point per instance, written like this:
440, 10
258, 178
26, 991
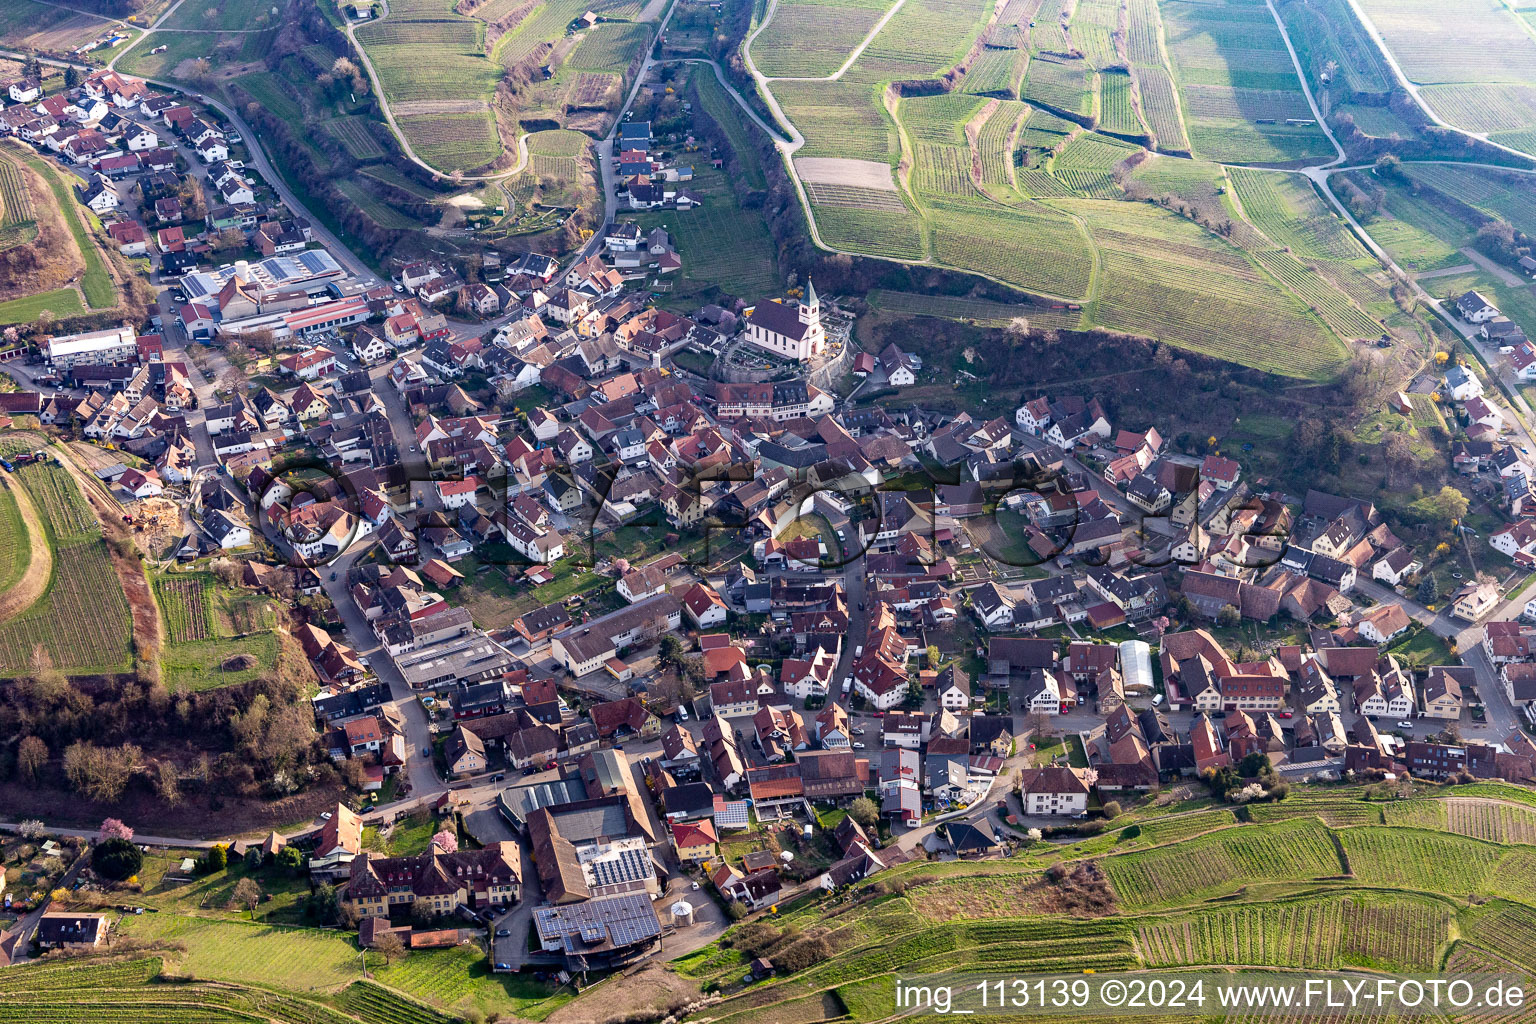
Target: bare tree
247, 895
32, 757
390, 945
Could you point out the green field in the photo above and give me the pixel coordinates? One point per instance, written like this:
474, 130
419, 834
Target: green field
61, 303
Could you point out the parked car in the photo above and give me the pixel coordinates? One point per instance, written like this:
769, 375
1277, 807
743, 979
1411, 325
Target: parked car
1405, 725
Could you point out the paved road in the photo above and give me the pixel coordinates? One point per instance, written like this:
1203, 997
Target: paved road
418, 731
1502, 718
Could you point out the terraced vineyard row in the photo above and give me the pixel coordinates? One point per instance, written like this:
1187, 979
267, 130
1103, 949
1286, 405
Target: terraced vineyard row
855, 197
82, 622
994, 148
1117, 114
1160, 108
1403, 935
63, 508
876, 232
994, 72
1032, 247
1338, 813
1347, 319
1285, 208
1415, 859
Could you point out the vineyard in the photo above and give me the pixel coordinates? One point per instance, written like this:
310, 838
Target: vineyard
1388, 934
1208, 299
1234, 73
855, 197
453, 141
1033, 247
877, 232
184, 603
994, 149
355, 138
1496, 193
1117, 113
993, 72
1431, 41
1343, 316
1285, 208
82, 623
813, 39
376, 1004
609, 48
424, 52
15, 545
215, 636
1337, 813
64, 510
1087, 165
1221, 862
1062, 83
1422, 860
17, 218
720, 243
922, 40
381, 213
1160, 108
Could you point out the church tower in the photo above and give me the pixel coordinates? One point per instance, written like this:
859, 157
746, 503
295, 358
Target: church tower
810, 306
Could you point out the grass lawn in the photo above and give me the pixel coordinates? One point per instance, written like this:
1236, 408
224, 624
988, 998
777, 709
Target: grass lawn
411, 835
1421, 643
199, 665
211, 893
298, 959
61, 302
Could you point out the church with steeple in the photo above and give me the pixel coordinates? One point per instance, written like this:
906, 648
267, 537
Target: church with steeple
789, 331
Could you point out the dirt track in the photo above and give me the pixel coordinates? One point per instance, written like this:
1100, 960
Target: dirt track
40, 569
